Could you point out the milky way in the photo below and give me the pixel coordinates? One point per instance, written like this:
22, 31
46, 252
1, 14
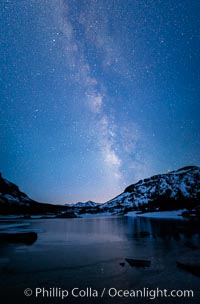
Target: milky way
97, 94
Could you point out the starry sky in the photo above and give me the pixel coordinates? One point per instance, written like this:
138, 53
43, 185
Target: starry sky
97, 94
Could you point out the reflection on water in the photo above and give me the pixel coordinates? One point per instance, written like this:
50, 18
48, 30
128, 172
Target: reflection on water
165, 228
93, 252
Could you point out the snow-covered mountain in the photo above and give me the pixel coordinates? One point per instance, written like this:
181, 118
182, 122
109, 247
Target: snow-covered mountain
88, 204
174, 190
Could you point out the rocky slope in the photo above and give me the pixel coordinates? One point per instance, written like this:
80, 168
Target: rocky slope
13, 201
174, 190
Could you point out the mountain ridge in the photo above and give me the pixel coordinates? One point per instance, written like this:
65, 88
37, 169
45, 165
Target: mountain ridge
14, 201
83, 204
182, 184
173, 190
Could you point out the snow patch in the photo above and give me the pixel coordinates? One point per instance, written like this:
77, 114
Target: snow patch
175, 214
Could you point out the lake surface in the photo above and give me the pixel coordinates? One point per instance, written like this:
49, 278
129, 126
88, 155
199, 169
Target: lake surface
91, 252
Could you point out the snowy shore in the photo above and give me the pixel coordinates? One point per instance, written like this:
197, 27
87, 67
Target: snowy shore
175, 214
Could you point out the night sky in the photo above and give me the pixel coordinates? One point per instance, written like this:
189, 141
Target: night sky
97, 94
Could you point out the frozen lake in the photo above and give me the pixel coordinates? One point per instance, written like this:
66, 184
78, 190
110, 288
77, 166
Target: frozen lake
91, 252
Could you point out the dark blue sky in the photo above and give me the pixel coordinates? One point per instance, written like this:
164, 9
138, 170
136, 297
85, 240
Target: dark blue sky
97, 94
